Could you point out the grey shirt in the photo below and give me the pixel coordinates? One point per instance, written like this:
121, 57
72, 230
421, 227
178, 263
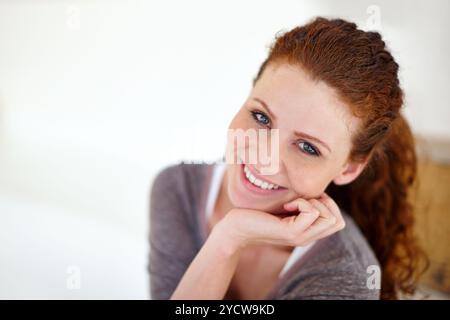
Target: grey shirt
336, 267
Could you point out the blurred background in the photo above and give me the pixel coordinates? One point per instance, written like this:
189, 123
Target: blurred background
96, 96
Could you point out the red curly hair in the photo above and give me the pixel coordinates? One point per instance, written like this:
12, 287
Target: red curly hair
358, 65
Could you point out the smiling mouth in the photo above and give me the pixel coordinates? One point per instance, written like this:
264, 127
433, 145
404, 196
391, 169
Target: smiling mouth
257, 181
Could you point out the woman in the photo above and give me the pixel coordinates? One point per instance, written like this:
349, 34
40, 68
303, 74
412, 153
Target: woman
333, 221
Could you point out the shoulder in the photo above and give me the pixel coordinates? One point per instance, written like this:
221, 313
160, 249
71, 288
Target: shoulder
179, 178
175, 203
352, 245
338, 267
176, 191
181, 171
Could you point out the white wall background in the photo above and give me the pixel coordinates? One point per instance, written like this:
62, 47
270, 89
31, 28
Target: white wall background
97, 96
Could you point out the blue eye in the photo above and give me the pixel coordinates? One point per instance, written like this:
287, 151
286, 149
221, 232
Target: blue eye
308, 148
261, 118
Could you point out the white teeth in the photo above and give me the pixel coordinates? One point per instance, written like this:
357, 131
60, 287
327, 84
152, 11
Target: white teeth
257, 182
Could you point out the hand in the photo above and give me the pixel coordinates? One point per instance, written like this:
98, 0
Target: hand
316, 219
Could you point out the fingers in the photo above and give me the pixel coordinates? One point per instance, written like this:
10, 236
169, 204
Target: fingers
334, 209
297, 225
318, 218
325, 213
307, 214
325, 223
301, 205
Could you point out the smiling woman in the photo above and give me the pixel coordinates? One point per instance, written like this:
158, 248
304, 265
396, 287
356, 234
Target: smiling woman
335, 214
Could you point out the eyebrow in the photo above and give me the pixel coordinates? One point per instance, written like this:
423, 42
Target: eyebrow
307, 136
266, 107
297, 133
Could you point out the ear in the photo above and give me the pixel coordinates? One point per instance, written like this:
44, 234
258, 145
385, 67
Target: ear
350, 172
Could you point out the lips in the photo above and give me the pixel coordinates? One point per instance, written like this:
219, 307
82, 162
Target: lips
259, 181
256, 183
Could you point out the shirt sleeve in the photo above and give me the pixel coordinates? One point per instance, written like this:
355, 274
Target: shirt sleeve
171, 248
342, 280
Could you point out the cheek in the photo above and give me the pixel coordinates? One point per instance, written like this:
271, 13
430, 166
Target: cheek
309, 182
242, 121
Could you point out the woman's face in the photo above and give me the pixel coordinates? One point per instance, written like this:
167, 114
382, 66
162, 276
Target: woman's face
314, 130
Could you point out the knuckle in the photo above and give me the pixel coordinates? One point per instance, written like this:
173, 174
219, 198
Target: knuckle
333, 220
327, 201
315, 211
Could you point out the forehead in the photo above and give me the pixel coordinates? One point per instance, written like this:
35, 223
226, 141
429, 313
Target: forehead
300, 103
